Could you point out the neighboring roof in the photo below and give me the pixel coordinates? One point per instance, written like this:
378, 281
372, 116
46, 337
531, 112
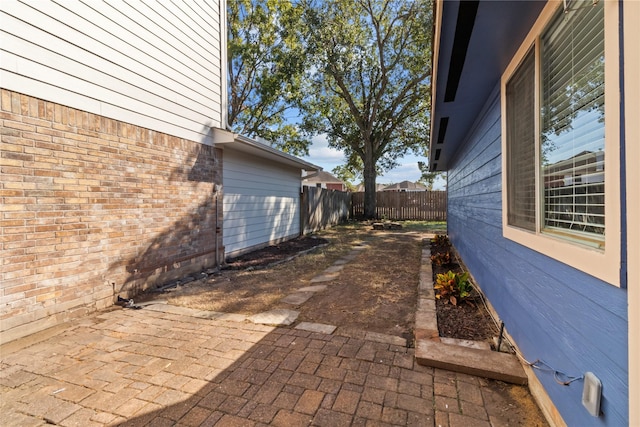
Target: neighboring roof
321, 176
379, 187
263, 150
405, 185
473, 43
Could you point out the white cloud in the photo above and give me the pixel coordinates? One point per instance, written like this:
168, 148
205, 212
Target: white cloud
322, 155
407, 171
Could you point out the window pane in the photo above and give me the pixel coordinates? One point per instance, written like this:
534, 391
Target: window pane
572, 151
521, 145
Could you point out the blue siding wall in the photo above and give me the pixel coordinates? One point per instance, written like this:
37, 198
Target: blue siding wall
570, 320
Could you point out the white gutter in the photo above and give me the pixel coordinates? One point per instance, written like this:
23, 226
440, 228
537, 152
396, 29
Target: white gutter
259, 149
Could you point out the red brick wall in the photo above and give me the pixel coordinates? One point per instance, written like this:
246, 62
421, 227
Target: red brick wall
92, 208
334, 186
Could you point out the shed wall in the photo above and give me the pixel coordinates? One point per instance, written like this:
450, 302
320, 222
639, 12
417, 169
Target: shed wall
564, 317
261, 202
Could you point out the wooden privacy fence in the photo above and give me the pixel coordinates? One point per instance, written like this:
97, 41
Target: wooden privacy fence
404, 205
321, 208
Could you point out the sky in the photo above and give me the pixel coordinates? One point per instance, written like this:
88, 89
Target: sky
322, 155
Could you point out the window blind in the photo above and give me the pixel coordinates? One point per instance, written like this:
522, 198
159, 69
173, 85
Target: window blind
521, 143
572, 121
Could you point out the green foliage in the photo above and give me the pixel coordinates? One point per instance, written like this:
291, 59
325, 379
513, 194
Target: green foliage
428, 178
347, 175
266, 64
368, 86
453, 287
425, 226
464, 285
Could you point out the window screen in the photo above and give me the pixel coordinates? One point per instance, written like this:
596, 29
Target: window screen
572, 123
521, 145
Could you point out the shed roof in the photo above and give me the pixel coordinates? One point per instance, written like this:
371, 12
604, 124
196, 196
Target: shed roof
262, 149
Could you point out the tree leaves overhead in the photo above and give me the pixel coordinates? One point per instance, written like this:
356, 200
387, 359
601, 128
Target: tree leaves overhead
265, 67
368, 85
357, 71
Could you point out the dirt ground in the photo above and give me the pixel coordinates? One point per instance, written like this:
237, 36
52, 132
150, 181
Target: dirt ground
376, 292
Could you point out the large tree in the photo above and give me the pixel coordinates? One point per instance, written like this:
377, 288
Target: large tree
427, 177
369, 80
266, 62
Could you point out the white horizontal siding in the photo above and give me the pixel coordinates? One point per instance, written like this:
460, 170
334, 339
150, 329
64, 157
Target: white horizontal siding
261, 201
153, 64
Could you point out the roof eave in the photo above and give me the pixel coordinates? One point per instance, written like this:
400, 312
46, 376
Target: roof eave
262, 150
473, 42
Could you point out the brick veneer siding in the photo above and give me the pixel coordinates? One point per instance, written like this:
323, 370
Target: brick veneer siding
93, 208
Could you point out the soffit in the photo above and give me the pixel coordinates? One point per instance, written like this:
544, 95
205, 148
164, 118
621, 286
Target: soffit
497, 30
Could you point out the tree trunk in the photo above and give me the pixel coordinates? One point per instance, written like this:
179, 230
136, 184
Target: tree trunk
369, 175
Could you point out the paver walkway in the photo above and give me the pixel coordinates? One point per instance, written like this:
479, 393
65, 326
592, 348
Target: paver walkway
178, 367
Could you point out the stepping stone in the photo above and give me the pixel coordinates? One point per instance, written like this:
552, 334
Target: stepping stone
279, 317
325, 277
341, 262
334, 269
316, 288
297, 298
316, 327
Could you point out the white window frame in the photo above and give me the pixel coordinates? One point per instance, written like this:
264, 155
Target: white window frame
603, 264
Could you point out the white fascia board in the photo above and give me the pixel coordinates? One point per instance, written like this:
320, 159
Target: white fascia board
259, 149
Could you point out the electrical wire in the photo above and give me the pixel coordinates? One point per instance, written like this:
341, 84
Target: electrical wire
536, 364
544, 366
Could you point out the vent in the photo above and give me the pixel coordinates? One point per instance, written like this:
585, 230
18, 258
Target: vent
442, 129
467, 11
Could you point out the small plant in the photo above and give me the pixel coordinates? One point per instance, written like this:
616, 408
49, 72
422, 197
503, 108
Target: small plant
464, 285
441, 258
453, 287
445, 286
441, 240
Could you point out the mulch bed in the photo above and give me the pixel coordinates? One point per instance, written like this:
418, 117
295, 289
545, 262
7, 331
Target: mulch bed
270, 255
468, 319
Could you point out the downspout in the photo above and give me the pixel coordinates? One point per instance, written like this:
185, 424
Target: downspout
223, 66
224, 113
217, 234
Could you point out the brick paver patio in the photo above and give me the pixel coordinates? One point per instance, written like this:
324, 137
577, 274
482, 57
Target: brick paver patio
157, 368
